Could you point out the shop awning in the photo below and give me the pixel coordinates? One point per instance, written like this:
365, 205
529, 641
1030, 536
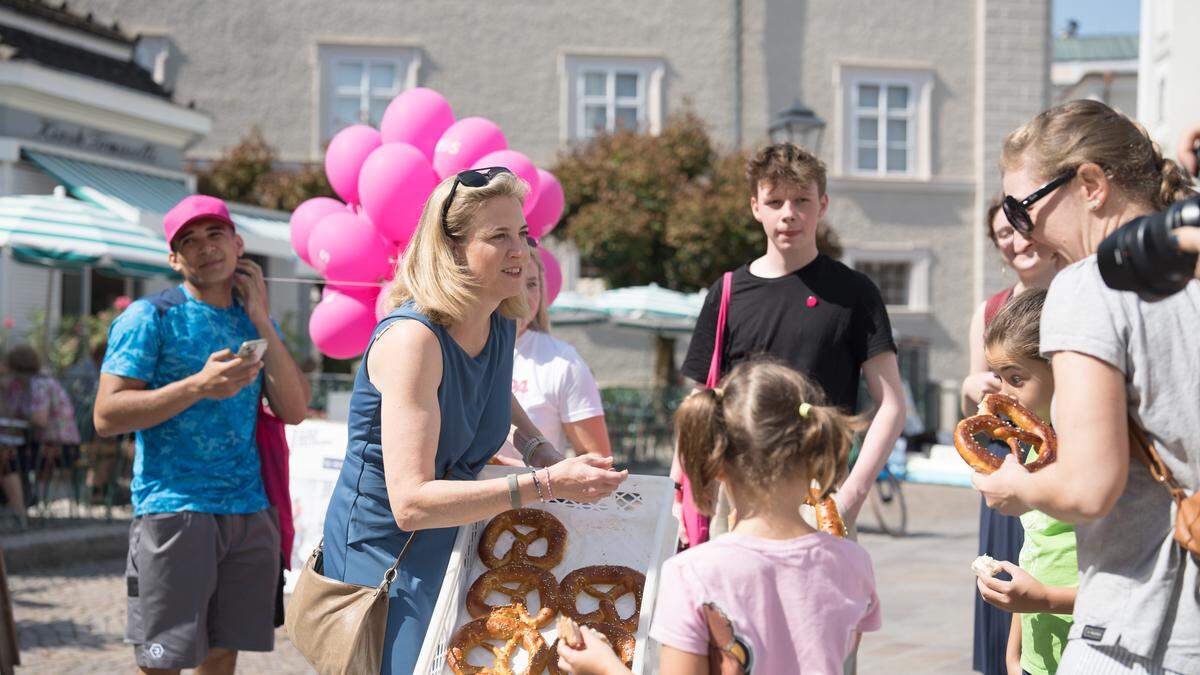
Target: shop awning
57, 231
265, 232
93, 182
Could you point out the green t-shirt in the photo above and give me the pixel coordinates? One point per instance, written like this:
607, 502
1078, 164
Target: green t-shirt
1048, 555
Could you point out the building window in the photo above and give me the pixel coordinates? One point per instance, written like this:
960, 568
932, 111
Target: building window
882, 128
901, 273
884, 121
892, 278
358, 83
610, 100
607, 94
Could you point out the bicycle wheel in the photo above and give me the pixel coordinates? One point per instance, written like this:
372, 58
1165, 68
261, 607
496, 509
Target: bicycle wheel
887, 503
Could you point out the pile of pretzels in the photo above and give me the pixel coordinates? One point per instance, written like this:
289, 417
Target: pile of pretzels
517, 574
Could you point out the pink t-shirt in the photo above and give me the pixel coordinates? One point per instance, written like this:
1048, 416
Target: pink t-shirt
790, 606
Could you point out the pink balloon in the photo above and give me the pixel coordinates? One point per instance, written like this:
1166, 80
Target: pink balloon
517, 163
345, 156
345, 247
305, 218
366, 293
464, 142
341, 325
553, 273
547, 206
418, 117
394, 183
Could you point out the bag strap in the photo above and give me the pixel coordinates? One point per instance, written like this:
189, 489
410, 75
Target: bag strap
1141, 444
714, 367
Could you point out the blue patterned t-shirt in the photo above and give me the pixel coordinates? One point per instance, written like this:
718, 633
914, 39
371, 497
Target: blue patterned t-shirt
204, 459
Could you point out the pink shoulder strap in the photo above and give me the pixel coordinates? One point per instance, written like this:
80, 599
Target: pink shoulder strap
714, 367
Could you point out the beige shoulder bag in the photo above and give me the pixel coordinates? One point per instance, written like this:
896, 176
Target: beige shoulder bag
339, 627
1187, 516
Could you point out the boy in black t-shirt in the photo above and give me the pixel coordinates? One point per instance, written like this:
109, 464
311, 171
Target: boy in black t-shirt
824, 319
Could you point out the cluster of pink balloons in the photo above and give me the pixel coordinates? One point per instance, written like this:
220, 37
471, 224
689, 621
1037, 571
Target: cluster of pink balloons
384, 177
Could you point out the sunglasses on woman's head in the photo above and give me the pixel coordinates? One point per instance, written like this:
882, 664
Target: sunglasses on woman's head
1017, 212
472, 178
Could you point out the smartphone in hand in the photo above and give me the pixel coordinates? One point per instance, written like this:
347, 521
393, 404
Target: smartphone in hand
252, 350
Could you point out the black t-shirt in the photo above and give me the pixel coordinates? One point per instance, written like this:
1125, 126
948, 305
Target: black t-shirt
828, 341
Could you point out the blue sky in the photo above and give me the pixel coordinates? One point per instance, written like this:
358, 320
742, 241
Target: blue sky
1097, 16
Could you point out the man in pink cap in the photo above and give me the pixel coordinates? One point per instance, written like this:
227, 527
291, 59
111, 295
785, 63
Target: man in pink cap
204, 544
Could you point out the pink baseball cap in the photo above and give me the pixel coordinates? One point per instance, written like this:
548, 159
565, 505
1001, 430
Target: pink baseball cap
193, 208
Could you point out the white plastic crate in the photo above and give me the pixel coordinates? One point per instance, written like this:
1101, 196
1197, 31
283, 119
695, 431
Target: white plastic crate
631, 527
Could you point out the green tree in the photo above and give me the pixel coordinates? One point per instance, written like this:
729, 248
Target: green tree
247, 173
670, 209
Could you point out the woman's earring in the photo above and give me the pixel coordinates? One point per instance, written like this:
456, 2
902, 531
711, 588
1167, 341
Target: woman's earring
1094, 204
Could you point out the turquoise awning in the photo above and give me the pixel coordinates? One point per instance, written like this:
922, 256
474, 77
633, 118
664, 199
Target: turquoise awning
135, 188
57, 231
100, 184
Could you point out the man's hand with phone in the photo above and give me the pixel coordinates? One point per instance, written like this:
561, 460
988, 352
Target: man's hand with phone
252, 288
225, 374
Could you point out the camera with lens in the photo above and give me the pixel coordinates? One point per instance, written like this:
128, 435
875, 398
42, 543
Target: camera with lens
1142, 255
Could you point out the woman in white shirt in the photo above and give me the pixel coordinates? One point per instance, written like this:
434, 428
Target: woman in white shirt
552, 383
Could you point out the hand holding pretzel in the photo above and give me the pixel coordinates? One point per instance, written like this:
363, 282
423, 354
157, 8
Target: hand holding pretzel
1025, 427
607, 644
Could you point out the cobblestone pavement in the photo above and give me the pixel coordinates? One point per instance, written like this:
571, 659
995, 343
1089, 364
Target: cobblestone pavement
72, 620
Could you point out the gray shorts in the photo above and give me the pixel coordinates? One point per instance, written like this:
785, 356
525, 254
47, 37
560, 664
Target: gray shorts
199, 580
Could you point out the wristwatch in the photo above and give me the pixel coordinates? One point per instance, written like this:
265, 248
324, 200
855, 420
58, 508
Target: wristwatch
531, 445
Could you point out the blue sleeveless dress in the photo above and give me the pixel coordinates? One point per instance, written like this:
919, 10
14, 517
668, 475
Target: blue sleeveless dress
361, 536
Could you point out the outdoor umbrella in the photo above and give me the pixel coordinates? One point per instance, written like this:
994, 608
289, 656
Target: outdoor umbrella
56, 231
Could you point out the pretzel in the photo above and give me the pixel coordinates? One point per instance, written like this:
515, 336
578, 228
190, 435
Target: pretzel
621, 641
585, 579
545, 526
510, 624
828, 518
1025, 427
527, 578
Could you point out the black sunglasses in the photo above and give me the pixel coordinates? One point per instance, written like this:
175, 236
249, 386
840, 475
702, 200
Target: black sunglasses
1017, 212
475, 178
472, 178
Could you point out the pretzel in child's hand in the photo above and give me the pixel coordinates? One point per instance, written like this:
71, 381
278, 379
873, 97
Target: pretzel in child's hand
623, 581
828, 518
527, 579
542, 526
1025, 427
621, 641
513, 626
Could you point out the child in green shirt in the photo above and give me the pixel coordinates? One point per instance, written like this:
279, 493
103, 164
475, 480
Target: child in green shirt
1043, 588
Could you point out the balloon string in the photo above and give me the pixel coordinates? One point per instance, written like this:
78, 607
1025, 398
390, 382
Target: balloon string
327, 282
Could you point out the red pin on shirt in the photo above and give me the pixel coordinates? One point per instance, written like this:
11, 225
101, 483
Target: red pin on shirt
812, 301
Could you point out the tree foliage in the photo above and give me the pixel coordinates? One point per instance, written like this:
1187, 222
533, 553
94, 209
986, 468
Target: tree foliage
671, 209
247, 173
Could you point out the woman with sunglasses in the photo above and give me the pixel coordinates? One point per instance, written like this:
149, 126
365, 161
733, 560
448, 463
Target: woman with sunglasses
432, 403
1073, 175
1000, 536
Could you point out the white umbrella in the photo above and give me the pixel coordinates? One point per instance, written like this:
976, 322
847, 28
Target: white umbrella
56, 231
650, 302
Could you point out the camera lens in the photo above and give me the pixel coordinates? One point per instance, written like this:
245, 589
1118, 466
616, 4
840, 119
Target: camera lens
1141, 256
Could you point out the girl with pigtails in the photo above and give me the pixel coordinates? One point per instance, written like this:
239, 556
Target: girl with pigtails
774, 595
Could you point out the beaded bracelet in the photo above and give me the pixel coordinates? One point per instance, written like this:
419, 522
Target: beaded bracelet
537, 485
549, 491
